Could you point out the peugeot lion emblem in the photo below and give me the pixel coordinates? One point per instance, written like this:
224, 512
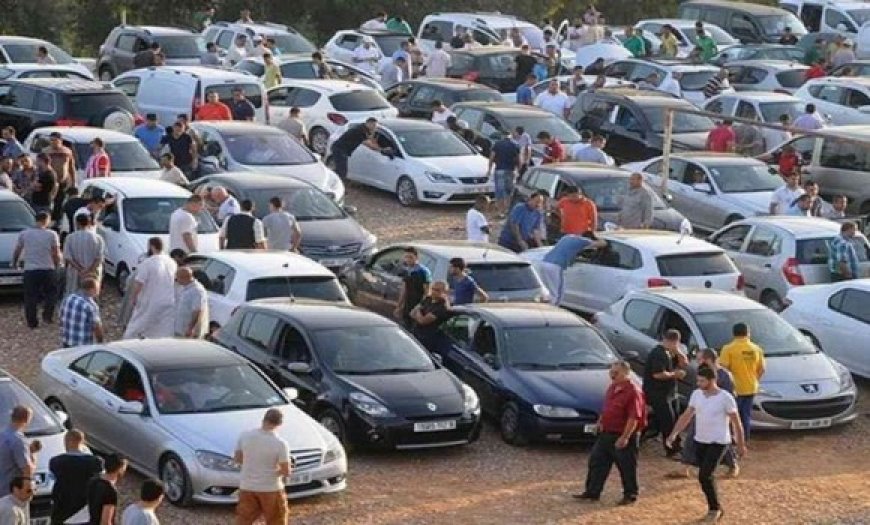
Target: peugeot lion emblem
810, 388
432, 406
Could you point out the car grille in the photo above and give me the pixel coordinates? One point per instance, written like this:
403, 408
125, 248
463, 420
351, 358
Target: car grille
332, 250
466, 197
808, 409
422, 439
473, 180
432, 416
306, 459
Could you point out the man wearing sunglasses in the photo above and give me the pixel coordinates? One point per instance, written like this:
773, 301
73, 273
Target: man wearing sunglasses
14, 508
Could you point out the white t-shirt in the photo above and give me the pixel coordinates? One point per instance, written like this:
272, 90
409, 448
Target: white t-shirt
136, 515
366, 59
808, 121
180, 222
441, 118
474, 221
228, 207
783, 197
577, 148
555, 104
261, 453
236, 54
437, 63
374, 25
774, 138
711, 416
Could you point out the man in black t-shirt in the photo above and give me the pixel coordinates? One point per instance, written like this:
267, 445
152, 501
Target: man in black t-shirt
343, 148
241, 107
458, 40
665, 367
72, 471
183, 148
103, 494
430, 313
416, 279
525, 63
45, 185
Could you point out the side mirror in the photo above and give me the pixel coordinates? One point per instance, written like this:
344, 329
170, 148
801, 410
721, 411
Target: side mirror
351, 210
437, 358
291, 393
629, 355
131, 407
63, 416
112, 222
491, 360
702, 187
298, 368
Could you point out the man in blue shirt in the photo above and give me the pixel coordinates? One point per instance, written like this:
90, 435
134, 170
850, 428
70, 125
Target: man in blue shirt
564, 253
525, 93
843, 259
525, 227
504, 163
13, 149
404, 52
150, 135
416, 279
464, 288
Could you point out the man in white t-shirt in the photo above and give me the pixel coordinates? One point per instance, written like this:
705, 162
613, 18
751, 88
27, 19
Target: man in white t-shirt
809, 120
378, 23
437, 62
714, 410
265, 461
783, 197
366, 57
554, 100
440, 113
183, 225
476, 225
227, 204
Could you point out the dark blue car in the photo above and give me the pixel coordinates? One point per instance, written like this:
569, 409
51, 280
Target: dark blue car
540, 371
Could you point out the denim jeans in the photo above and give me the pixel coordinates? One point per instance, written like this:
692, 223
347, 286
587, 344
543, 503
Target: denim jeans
744, 409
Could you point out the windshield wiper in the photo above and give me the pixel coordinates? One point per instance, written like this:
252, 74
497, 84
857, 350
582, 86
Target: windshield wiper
226, 408
536, 366
582, 365
400, 370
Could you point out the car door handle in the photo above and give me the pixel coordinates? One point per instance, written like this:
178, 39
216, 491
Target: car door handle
767, 265
616, 332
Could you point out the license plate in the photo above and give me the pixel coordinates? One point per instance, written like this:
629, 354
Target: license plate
39, 521
811, 423
12, 279
333, 262
435, 426
300, 479
590, 428
474, 189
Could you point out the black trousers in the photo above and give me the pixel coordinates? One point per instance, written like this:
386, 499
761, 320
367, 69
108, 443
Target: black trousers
602, 457
709, 455
665, 415
40, 288
339, 157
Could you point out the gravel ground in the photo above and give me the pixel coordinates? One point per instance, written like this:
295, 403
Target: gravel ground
818, 477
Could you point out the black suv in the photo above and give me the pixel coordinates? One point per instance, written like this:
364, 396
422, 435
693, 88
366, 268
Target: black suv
181, 47
31, 103
633, 121
413, 98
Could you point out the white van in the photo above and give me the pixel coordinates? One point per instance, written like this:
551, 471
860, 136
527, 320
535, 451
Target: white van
829, 16
168, 91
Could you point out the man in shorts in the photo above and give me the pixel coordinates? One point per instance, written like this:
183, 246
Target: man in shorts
504, 162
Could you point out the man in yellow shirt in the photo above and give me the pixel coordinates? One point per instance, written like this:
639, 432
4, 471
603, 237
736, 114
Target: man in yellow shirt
745, 360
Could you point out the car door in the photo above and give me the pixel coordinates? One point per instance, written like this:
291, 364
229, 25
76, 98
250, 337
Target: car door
92, 378
599, 278
136, 436
218, 279
16, 108
399, 95
848, 315
625, 136
420, 101
384, 170
853, 100
732, 240
762, 249
375, 280
257, 333
118, 247
640, 320
343, 45
280, 102
480, 369
830, 100
704, 196
291, 346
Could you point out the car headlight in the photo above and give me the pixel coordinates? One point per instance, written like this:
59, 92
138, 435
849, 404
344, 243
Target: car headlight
471, 401
555, 412
369, 245
215, 461
334, 452
846, 380
440, 177
368, 405
769, 393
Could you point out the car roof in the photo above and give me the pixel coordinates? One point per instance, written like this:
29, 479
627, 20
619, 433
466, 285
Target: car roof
10, 196
799, 227
262, 262
85, 134
507, 109
133, 187
489, 19
647, 96
761, 96
12, 39
676, 22
718, 158
66, 84
585, 170
161, 30
171, 354
859, 81
755, 9
856, 131
320, 316
377, 32
660, 242
702, 300
407, 124
472, 252
778, 65
251, 181
448, 83
524, 315
237, 126
325, 86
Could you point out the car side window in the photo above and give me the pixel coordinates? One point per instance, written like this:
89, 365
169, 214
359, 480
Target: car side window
694, 174
220, 277
348, 41
715, 106
834, 18
388, 262
128, 383
617, 255
832, 94
472, 116
746, 110
732, 238
126, 42
43, 101
642, 316
305, 98
852, 303
423, 96
655, 168
279, 97
546, 180
459, 329
22, 97
225, 39
260, 330
677, 170
626, 118
671, 320
292, 346
764, 242
129, 86
620, 70
99, 367
844, 155
491, 127
484, 340
855, 98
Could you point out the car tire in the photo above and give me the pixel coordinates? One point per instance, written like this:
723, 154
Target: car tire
122, 275
55, 405
332, 421
117, 119
771, 299
318, 138
176, 481
406, 192
509, 426
733, 218
106, 74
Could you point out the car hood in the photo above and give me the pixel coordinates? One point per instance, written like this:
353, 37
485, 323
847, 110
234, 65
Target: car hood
467, 166
696, 141
756, 201
410, 394
339, 232
797, 368
315, 173
139, 174
579, 389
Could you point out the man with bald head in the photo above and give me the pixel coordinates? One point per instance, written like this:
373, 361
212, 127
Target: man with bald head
191, 305
227, 204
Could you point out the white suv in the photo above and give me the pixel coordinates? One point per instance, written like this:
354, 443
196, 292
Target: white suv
288, 41
845, 99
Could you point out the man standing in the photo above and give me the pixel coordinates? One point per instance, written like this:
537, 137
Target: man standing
242, 231
713, 410
238, 51
622, 418
378, 23
80, 322
464, 287
83, 254
43, 193
62, 162
343, 148
707, 45
554, 100
150, 134
211, 57
153, 295
191, 306
577, 213
524, 227
72, 470
99, 164
636, 211
504, 162
843, 258
142, 512
265, 460
416, 279
476, 226
557, 260
837, 210
183, 225
170, 172
809, 121
38, 248
430, 313
438, 62
282, 230
271, 71
716, 84
788, 38
671, 84
594, 152
440, 113
745, 360
365, 56
213, 109
665, 366
183, 148
147, 57
525, 93
12, 149
103, 494
17, 458
670, 44
227, 204
781, 199
14, 509
722, 138
393, 72
634, 43
295, 126
523, 141
525, 63
241, 107
554, 151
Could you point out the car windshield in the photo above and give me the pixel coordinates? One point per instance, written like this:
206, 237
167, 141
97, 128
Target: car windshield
861, 16
389, 44
15, 216
371, 350
771, 111
695, 264
44, 423
324, 288
125, 156
505, 277
434, 143
767, 328
718, 35
774, 25
182, 46
292, 43
26, 53
695, 81
552, 124
475, 95
683, 122
212, 389
151, 215
361, 100
306, 204
556, 347
744, 178
608, 193
267, 149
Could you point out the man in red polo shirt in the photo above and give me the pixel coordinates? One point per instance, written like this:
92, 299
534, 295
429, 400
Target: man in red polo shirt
722, 138
622, 419
553, 149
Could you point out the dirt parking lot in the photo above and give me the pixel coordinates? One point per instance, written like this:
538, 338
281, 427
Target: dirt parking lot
788, 478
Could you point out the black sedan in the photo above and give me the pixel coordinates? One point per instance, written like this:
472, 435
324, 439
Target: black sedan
357, 373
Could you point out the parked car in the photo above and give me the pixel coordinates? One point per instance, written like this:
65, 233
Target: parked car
302, 67
344, 42
776, 254
24, 50
777, 76
758, 52
27, 104
375, 282
757, 105
245, 146
801, 388
326, 106
565, 85
491, 66
180, 47
845, 99
713, 189
684, 31
169, 91
15, 216
694, 76
634, 122
640, 259
140, 210
234, 277
832, 16
330, 233
858, 68
358, 374
15, 71
288, 41
605, 185
174, 407
425, 162
749, 23
540, 372
836, 319
413, 98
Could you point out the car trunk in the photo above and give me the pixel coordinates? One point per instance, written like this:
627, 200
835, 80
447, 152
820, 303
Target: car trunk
507, 281
812, 261
698, 270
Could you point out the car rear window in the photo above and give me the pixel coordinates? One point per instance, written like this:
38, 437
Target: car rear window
460, 63
815, 251
694, 264
87, 106
362, 100
506, 277
15, 216
225, 93
257, 69
182, 46
695, 81
791, 79
324, 288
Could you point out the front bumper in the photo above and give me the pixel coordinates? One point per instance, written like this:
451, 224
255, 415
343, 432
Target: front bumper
10, 277
455, 193
769, 413
398, 432
567, 430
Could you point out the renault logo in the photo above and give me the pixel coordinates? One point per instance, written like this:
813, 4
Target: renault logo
810, 388
432, 407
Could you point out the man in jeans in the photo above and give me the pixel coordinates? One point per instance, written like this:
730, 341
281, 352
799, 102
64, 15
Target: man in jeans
265, 461
665, 367
745, 360
505, 158
39, 250
843, 259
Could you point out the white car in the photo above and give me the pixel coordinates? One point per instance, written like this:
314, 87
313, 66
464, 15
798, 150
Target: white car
425, 163
141, 209
564, 83
288, 41
836, 317
128, 156
845, 99
778, 76
586, 55
233, 277
17, 216
639, 259
22, 50
763, 106
692, 82
684, 30
830, 16
246, 146
343, 43
14, 71
326, 106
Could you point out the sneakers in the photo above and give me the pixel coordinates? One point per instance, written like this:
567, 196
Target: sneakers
627, 500
712, 516
583, 496
733, 472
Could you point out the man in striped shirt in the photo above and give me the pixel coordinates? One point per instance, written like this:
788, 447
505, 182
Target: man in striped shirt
80, 322
717, 84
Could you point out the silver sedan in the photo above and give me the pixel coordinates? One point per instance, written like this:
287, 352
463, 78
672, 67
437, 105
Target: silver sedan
175, 409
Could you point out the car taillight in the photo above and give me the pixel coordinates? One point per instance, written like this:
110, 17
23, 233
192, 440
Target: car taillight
138, 119
741, 282
471, 76
791, 271
71, 122
654, 282
337, 118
